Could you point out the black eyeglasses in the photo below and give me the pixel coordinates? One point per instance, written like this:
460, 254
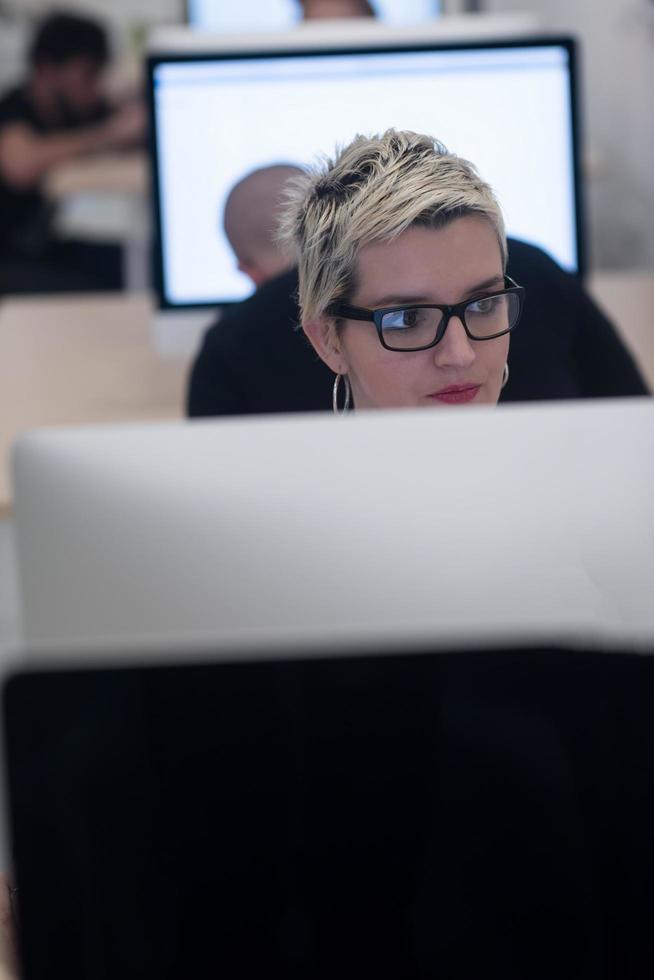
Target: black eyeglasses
420, 326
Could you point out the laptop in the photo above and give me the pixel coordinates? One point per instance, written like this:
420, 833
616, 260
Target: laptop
434, 814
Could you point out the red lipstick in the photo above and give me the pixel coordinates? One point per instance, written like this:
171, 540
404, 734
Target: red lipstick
456, 394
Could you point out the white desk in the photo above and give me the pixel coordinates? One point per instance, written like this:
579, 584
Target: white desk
115, 173
77, 360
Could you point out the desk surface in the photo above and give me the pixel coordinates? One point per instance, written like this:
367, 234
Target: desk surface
115, 173
71, 361
104, 198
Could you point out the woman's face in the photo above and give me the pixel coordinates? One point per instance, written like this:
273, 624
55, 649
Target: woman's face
458, 262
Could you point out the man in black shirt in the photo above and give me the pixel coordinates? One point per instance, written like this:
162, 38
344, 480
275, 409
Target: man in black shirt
256, 360
57, 115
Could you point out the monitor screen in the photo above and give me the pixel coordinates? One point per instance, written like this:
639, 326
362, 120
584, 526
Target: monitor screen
258, 15
450, 816
508, 107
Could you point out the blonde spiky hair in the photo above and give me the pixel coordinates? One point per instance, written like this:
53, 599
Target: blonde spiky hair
373, 190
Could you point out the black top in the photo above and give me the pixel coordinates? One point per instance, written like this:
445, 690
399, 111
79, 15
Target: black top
254, 361
25, 215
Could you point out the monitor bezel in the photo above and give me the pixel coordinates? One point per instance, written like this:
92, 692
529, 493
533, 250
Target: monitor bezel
154, 60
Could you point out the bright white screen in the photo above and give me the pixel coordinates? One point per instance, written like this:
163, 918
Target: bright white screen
507, 110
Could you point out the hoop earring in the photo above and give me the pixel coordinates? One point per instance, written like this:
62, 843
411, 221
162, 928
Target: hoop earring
505, 375
348, 394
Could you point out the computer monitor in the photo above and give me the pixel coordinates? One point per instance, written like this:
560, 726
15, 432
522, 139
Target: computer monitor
509, 106
447, 527
444, 814
257, 15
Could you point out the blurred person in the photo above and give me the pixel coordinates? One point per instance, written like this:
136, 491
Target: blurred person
335, 9
59, 114
251, 217
255, 360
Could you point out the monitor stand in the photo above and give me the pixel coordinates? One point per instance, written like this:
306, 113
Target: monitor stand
179, 333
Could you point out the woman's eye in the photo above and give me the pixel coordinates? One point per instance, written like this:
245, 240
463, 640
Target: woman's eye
401, 319
410, 318
483, 306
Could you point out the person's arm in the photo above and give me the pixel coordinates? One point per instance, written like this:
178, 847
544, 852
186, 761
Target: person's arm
26, 156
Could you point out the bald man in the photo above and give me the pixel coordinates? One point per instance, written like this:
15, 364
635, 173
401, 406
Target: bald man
337, 9
250, 220
248, 353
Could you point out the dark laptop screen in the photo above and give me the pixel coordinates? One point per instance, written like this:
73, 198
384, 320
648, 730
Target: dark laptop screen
433, 815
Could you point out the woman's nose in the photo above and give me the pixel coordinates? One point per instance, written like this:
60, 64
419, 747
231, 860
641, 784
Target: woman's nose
455, 349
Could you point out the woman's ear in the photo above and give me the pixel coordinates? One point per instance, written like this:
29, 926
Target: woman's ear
323, 337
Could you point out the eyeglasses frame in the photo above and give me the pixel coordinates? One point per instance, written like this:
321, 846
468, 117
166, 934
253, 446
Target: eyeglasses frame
348, 312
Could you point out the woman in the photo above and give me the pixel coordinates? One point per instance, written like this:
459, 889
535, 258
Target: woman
402, 253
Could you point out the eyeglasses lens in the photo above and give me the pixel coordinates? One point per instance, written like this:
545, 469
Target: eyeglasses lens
492, 315
411, 328
485, 317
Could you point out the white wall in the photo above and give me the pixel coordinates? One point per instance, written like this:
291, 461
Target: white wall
617, 38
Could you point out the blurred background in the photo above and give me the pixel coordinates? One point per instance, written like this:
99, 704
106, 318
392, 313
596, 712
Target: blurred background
617, 98
88, 335
617, 94
78, 360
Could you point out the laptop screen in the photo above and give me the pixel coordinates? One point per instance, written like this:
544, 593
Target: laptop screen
426, 815
508, 107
